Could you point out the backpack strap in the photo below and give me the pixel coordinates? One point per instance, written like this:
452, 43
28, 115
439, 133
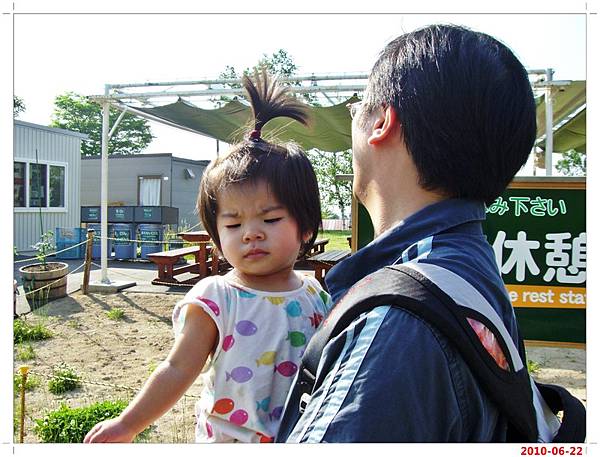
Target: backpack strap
406, 287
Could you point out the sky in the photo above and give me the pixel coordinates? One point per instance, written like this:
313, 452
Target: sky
141, 47
52, 50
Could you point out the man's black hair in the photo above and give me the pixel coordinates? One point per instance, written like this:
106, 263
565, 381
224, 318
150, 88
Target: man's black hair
465, 104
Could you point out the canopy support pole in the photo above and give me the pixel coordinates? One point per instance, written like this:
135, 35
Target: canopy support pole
549, 122
112, 131
104, 191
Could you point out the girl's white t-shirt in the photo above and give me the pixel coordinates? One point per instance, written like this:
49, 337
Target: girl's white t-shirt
262, 336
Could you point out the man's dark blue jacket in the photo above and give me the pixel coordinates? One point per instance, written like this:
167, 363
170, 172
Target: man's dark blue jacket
397, 379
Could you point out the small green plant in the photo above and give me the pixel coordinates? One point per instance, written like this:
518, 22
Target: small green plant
73, 323
31, 382
115, 314
43, 247
24, 331
70, 425
25, 352
533, 367
64, 379
151, 367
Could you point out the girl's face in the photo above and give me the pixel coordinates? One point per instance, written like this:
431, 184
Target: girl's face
258, 235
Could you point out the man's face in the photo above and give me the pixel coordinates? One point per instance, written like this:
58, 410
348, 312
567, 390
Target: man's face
360, 151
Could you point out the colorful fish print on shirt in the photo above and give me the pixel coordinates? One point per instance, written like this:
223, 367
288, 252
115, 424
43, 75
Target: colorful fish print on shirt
293, 308
276, 300
211, 304
296, 339
316, 319
267, 358
287, 368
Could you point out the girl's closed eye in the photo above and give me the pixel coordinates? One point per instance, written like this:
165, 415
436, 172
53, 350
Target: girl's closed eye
273, 220
232, 226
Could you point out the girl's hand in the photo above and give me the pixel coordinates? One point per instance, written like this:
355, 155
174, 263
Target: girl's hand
109, 431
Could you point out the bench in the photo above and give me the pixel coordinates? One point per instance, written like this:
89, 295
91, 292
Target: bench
323, 262
166, 260
317, 248
202, 266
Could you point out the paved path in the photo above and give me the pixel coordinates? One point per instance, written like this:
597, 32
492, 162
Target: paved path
140, 272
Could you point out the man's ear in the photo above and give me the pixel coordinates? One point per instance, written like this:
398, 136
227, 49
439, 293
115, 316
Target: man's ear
306, 237
384, 125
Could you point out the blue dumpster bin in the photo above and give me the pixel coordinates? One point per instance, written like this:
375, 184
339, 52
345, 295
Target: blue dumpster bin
150, 235
123, 243
66, 238
96, 245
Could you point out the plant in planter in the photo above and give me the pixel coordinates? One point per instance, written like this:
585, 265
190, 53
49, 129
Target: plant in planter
44, 281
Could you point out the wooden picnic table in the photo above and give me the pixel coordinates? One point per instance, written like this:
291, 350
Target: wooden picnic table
202, 237
324, 261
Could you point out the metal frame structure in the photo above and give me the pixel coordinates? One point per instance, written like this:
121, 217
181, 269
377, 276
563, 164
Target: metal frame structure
119, 94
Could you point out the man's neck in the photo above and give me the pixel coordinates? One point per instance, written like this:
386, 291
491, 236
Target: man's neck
388, 211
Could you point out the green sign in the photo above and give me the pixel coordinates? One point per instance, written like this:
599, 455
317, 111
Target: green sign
120, 214
150, 235
148, 213
539, 237
122, 237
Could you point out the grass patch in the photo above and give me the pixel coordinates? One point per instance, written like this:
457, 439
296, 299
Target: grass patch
24, 331
115, 314
31, 383
337, 239
64, 379
533, 367
151, 367
25, 352
70, 425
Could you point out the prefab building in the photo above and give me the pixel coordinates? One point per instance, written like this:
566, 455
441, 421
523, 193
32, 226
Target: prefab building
47, 183
145, 180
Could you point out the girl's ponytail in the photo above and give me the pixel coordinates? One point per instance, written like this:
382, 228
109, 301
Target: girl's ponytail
269, 100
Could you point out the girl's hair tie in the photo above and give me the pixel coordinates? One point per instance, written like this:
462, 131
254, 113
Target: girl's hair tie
255, 135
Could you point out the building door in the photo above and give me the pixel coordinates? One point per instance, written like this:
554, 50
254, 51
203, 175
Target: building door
149, 191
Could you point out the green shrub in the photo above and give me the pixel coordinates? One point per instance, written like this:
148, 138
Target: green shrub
31, 383
67, 425
70, 425
115, 314
23, 331
64, 378
533, 367
25, 352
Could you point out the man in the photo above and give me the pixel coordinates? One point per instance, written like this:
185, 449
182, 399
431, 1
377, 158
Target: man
448, 118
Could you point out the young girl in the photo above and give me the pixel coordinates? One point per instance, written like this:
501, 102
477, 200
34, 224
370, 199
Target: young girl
260, 204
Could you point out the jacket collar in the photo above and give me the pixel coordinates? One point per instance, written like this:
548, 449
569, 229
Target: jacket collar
387, 247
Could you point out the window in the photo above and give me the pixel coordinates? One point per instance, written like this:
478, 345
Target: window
19, 184
149, 190
57, 186
39, 185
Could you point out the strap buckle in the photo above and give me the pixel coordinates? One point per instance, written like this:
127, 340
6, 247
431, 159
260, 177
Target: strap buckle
306, 382
304, 399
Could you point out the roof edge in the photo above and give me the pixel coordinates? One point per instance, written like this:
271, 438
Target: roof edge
83, 136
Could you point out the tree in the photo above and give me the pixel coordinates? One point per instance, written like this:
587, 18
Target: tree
327, 165
279, 63
573, 163
77, 113
18, 106
335, 194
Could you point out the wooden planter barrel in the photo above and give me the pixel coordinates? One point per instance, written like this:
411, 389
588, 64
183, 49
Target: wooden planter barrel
52, 281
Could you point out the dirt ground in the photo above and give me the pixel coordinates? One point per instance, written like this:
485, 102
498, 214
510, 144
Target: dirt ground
111, 354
